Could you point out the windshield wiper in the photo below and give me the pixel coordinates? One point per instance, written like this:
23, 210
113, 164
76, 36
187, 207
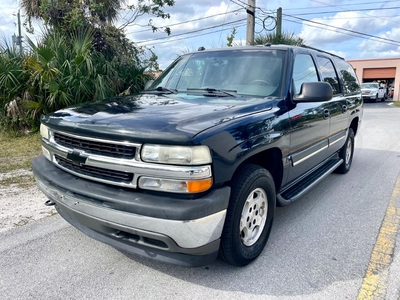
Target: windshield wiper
212, 90
161, 89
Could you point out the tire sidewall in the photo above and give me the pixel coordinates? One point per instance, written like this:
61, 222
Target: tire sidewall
260, 179
350, 139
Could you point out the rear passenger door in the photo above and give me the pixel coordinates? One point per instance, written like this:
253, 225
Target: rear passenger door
350, 87
338, 109
309, 122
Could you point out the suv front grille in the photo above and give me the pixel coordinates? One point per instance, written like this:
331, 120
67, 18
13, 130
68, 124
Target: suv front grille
95, 172
95, 147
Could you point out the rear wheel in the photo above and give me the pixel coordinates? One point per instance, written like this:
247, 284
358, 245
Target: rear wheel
346, 153
249, 217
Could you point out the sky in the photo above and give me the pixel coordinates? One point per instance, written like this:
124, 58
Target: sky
352, 29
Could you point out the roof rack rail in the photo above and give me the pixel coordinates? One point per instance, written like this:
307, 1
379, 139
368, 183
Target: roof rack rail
319, 50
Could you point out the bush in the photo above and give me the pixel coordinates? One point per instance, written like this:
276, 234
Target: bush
59, 72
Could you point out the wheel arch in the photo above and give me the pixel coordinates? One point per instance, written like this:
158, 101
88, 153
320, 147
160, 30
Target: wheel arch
354, 125
271, 160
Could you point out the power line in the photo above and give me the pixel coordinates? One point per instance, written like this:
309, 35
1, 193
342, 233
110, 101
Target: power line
359, 34
352, 18
378, 17
226, 13
350, 4
188, 21
345, 33
192, 36
245, 3
337, 11
189, 32
241, 5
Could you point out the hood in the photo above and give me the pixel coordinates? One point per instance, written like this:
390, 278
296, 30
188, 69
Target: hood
155, 118
369, 89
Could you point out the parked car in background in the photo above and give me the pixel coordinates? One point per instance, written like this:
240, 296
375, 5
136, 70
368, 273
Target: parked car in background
372, 91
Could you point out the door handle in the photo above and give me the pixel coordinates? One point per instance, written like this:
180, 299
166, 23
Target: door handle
326, 113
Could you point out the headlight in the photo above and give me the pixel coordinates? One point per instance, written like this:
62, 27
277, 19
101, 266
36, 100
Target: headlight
44, 131
176, 155
175, 186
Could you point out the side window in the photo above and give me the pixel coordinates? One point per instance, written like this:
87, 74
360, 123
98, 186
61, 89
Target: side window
303, 71
349, 77
329, 74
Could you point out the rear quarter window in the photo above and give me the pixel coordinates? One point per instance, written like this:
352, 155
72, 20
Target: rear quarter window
349, 78
328, 74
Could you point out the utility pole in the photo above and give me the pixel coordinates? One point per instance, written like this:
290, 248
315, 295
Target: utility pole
279, 21
19, 33
18, 39
251, 8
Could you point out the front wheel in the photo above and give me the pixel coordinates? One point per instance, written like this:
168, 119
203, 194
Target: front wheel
249, 217
346, 153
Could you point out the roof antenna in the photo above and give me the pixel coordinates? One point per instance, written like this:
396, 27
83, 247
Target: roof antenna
267, 45
201, 48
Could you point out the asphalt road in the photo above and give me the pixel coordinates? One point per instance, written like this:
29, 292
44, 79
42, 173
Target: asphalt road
320, 246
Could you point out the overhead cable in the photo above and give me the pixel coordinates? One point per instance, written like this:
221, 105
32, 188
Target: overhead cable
190, 32
353, 32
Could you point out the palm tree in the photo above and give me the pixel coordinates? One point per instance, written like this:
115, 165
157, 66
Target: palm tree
73, 13
31, 7
274, 38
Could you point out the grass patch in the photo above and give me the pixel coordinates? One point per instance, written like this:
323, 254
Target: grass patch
396, 103
18, 152
22, 181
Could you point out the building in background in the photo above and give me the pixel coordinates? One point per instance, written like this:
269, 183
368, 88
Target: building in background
383, 70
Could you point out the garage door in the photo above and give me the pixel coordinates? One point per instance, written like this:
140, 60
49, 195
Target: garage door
380, 73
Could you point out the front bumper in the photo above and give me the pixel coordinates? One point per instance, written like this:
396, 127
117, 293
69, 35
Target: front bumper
180, 231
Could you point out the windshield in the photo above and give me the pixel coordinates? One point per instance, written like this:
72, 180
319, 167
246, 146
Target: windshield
369, 86
239, 72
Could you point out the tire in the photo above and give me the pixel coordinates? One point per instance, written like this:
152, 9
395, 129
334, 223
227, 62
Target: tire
346, 153
249, 216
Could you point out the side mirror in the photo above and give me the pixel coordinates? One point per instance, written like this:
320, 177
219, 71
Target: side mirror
314, 92
148, 84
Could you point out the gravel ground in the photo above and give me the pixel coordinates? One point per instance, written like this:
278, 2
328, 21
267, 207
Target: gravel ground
20, 206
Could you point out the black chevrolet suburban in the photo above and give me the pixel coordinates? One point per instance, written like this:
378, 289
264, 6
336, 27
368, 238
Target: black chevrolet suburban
194, 166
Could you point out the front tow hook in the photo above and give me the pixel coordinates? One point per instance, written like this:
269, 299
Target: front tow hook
49, 203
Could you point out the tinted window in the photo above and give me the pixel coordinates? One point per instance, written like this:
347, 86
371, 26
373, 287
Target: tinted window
329, 74
303, 71
349, 77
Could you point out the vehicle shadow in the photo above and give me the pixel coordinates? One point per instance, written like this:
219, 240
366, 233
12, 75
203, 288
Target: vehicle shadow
322, 241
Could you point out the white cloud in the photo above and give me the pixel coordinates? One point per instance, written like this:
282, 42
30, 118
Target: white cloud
8, 19
380, 22
373, 48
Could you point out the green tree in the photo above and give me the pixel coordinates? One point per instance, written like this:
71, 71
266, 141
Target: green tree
99, 16
81, 57
13, 79
73, 14
284, 38
54, 74
231, 37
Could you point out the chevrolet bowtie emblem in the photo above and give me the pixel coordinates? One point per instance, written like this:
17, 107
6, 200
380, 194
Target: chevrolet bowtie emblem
77, 157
